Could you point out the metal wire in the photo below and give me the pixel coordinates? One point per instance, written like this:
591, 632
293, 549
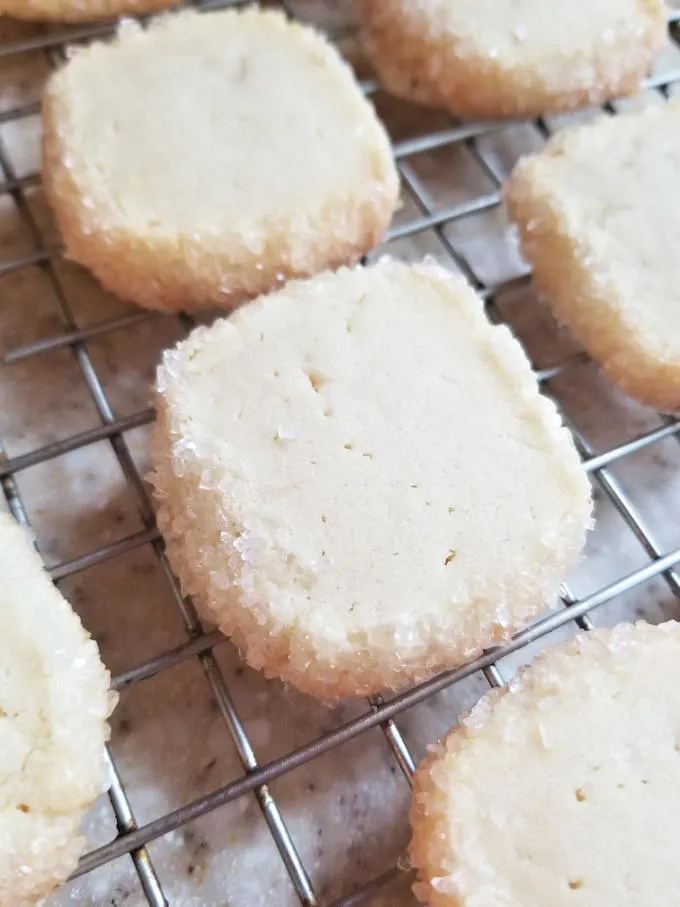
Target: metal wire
132, 839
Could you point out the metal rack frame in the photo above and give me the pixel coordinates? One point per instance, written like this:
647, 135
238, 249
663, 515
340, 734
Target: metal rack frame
132, 838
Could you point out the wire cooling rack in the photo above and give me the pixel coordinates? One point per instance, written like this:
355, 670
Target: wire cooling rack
427, 216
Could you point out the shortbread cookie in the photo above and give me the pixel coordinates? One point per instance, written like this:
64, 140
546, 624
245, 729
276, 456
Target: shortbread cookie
497, 58
213, 156
80, 10
54, 702
359, 482
563, 789
598, 219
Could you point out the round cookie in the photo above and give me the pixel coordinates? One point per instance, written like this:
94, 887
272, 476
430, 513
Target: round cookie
359, 482
213, 156
501, 58
563, 789
80, 10
54, 702
598, 216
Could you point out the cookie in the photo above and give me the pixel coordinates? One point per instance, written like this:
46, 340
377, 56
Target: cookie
359, 482
54, 702
561, 789
598, 221
80, 10
213, 156
501, 58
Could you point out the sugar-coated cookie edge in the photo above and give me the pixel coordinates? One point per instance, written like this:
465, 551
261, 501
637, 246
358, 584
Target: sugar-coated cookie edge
417, 62
385, 672
579, 302
427, 819
49, 841
80, 10
187, 271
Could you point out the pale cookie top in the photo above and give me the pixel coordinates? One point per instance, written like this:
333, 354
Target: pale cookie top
54, 701
249, 118
564, 790
613, 188
389, 478
526, 31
